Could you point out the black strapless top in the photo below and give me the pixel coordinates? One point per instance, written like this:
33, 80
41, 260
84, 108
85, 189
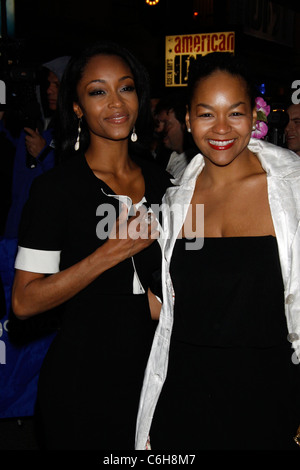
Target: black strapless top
231, 383
239, 297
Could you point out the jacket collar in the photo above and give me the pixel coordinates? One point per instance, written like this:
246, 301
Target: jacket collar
275, 160
188, 177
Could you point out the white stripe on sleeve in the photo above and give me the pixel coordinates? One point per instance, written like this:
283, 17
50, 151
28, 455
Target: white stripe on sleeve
37, 261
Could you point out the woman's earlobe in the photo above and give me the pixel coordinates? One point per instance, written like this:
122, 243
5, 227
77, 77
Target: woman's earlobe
187, 120
187, 123
254, 114
77, 110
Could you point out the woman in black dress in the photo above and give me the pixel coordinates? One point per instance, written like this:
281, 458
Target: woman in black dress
230, 281
74, 255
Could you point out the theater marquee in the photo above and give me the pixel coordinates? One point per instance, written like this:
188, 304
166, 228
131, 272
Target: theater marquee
181, 50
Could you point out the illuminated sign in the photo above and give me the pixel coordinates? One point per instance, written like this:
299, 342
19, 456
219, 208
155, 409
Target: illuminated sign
182, 49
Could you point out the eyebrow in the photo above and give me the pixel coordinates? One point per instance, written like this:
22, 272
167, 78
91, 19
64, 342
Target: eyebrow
100, 80
204, 105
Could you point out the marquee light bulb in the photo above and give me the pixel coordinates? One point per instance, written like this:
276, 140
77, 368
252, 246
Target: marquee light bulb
152, 2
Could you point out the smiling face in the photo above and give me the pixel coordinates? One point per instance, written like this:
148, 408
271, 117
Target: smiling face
107, 98
292, 130
220, 117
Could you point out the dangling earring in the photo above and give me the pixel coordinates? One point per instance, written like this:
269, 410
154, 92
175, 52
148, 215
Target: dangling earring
77, 143
254, 127
133, 137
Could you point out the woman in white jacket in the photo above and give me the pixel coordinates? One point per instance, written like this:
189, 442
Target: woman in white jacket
223, 372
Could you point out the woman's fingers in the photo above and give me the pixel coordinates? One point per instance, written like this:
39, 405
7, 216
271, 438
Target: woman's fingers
144, 225
134, 233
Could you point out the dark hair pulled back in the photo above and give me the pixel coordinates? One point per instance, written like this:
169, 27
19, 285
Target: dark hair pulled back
204, 66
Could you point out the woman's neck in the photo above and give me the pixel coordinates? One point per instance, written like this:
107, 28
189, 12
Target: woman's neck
108, 156
240, 168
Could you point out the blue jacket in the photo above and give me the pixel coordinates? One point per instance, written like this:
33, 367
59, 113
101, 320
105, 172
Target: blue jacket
23, 178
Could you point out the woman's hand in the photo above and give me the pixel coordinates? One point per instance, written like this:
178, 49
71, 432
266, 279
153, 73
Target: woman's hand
130, 236
34, 142
34, 293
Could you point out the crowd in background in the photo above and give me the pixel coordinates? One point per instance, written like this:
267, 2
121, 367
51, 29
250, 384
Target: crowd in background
33, 147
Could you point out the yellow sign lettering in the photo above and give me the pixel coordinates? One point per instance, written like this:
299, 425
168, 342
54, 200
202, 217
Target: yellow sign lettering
181, 50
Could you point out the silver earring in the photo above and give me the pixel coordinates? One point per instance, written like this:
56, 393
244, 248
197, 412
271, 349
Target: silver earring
189, 129
77, 143
254, 127
133, 137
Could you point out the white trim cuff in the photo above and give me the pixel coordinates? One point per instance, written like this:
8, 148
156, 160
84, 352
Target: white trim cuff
37, 261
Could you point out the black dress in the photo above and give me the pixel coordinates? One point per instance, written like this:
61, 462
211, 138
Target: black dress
92, 375
231, 382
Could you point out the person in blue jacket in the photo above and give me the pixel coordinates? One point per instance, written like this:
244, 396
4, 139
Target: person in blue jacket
34, 151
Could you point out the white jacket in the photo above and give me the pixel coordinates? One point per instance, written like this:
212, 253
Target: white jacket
283, 179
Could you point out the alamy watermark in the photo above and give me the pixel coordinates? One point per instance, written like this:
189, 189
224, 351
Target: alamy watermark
190, 222
295, 356
296, 94
3, 327
2, 92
